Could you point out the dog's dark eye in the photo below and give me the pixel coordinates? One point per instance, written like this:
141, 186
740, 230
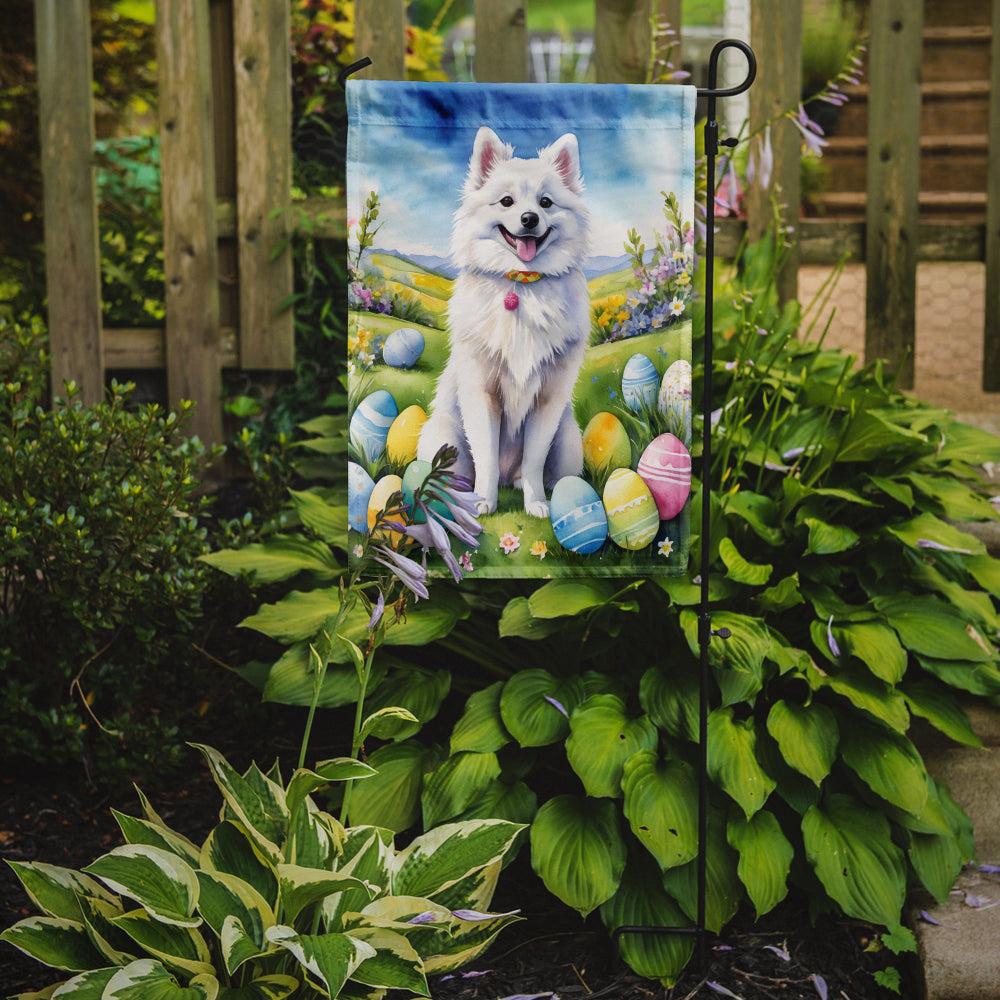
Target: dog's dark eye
545, 201
506, 201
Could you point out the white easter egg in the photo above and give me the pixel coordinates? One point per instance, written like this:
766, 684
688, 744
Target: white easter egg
665, 467
640, 380
403, 347
578, 519
674, 399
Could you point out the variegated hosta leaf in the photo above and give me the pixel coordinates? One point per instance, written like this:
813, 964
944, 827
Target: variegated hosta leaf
329, 959
86, 986
304, 782
395, 964
116, 947
301, 887
467, 940
54, 941
481, 727
807, 736
850, 847
177, 947
578, 851
476, 890
732, 760
391, 799
256, 801
56, 891
602, 737
535, 706
158, 880
274, 987
888, 763
225, 897
418, 691
315, 838
141, 831
147, 979
661, 805
367, 853
456, 784
230, 849
642, 902
441, 857
765, 858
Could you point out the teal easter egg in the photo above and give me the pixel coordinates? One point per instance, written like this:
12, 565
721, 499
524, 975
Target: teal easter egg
674, 400
413, 478
578, 519
359, 491
403, 347
640, 381
665, 467
633, 519
370, 423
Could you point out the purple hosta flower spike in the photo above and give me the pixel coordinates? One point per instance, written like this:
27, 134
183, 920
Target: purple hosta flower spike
475, 915
411, 574
377, 612
719, 988
927, 543
820, 984
834, 648
810, 131
557, 704
427, 917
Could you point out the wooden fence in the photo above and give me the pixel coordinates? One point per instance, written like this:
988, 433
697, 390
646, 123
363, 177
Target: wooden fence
226, 162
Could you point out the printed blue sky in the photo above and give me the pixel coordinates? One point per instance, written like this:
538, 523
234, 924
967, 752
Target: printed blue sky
413, 142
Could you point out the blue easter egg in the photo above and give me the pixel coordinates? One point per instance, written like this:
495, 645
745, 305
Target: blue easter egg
578, 518
371, 421
359, 491
640, 382
403, 347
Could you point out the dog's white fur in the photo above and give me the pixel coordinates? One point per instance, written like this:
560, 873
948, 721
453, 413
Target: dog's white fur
504, 398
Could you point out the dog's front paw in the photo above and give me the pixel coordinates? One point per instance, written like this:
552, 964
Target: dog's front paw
537, 508
486, 507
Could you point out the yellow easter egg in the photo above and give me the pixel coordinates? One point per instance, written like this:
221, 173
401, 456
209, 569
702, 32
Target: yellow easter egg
384, 489
605, 443
633, 519
401, 444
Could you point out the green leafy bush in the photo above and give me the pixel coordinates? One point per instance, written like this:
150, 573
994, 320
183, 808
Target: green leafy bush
101, 584
280, 899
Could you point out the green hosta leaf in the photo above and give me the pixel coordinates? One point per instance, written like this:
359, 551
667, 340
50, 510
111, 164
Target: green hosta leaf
866, 692
783, 595
54, 941
530, 706
517, 620
986, 572
301, 887
956, 500
292, 681
417, 690
976, 678
147, 979
330, 959
641, 901
723, 889
931, 628
180, 948
807, 736
888, 763
732, 760
937, 859
765, 858
941, 709
481, 728
758, 511
828, 539
159, 881
850, 848
386, 723
965, 443
975, 605
226, 898
578, 851
894, 489
275, 987
738, 661
230, 849
326, 520
279, 558
738, 569
141, 831
56, 891
391, 798
260, 809
601, 739
876, 646
870, 435
671, 700
456, 784
395, 964
928, 528
516, 803
559, 598
661, 800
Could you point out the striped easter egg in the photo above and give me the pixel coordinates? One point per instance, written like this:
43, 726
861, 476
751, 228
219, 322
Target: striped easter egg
674, 400
359, 491
632, 516
578, 519
640, 382
371, 421
665, 467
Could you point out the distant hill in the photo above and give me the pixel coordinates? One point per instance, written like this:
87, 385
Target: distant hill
594, 267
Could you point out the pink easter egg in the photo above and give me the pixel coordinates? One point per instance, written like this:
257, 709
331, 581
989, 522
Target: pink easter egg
665, 467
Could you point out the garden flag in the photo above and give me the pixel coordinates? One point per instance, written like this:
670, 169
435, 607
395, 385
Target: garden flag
520, 283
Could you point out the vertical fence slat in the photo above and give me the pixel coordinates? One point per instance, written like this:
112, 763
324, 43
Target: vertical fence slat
893, 183
669, 12
380, 34
776, 34
261, 42
501, 41
621, 40
190, 253
991, 331
72, 257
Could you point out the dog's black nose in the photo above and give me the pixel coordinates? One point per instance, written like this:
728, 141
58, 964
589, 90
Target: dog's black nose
529, 220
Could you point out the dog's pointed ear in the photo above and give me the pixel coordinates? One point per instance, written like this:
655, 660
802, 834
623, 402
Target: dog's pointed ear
487, 152
564, 154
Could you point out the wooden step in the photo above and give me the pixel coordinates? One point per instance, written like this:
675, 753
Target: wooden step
945, 12
958, 206
956, 53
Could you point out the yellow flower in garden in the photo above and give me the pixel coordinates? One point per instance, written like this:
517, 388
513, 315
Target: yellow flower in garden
539, 548
683, 278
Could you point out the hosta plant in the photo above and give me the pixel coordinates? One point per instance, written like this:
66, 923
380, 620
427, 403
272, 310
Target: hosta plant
279, 900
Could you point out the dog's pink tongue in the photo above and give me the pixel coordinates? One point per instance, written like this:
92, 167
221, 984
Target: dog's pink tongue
526, 248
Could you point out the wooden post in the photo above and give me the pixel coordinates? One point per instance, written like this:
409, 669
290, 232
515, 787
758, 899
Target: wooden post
776, 35
893, 183
380, 34
72, 255
991, 332
622, 40
190, 254
668, 12
261, 57
501, 41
